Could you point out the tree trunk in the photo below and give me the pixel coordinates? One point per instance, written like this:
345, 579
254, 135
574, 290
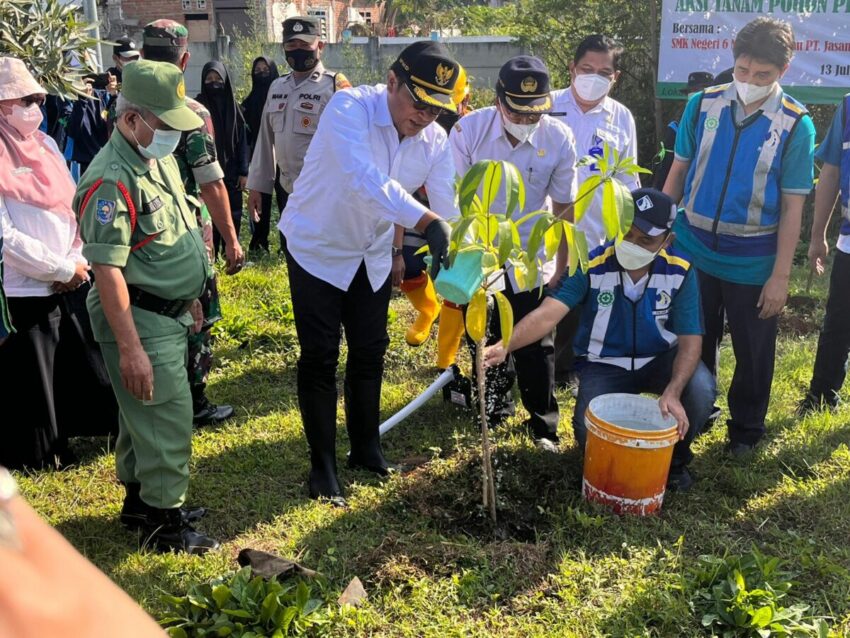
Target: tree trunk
655, 43
488, 480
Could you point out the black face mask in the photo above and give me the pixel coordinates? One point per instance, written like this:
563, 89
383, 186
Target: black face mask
262, 75
214, 87
301, 59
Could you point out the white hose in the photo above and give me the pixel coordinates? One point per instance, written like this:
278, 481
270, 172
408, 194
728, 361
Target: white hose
443, 380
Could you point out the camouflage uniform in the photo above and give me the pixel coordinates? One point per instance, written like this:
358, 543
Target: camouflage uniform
196, 157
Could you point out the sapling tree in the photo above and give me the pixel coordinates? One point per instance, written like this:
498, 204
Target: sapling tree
492, 239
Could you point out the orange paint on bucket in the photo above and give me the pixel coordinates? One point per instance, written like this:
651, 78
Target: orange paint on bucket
628, 452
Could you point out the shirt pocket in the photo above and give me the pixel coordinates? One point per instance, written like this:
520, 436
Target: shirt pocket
277, 120
305, 118
154, 235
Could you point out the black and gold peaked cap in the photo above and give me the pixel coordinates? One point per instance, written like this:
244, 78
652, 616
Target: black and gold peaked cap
430, 72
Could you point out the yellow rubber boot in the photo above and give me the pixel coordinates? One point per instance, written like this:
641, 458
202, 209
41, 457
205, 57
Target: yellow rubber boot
420, 292
449, 334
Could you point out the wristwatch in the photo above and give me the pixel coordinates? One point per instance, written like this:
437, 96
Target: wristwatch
397, 252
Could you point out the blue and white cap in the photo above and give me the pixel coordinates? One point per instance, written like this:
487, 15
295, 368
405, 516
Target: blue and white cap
654, 211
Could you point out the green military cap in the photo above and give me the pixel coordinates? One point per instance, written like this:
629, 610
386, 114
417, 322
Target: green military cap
165, 33
301, 28
159, 88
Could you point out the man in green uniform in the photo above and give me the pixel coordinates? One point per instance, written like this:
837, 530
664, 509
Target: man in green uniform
150, 266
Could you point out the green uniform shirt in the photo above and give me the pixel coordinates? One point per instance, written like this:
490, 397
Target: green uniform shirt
163, 254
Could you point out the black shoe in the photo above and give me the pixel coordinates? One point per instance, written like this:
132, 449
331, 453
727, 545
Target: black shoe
318, 413
738, 450
211, 414
680, 479
813, 403
362, 411
135, 513
166, 531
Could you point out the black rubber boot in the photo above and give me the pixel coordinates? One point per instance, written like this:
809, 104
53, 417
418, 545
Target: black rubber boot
135, 512
362, 412
167, 531
318, 413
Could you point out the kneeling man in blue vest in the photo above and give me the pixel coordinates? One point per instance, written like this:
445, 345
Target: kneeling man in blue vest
640, 328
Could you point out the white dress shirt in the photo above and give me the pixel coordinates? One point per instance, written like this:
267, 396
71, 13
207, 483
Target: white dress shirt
357, 182
39, 247
608, 121
546, 161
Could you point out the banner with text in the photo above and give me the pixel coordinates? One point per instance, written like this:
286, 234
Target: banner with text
697, 35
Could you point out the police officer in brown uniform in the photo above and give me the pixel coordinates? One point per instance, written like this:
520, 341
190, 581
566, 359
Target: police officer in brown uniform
291, 115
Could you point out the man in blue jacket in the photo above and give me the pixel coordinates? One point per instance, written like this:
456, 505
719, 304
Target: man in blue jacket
640, 328
743, 168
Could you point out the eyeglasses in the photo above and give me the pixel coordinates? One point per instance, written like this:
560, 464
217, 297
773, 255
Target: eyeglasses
433, 111
33, 99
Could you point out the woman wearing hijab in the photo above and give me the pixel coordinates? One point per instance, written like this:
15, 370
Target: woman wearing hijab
231, 137
42, 260
263, 73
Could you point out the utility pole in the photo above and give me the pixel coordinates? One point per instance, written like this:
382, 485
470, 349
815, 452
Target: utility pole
90, 10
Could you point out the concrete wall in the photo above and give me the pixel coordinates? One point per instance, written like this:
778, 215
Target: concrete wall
366, 60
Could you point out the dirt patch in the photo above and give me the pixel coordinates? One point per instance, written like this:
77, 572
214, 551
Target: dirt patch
802, 316
528, 484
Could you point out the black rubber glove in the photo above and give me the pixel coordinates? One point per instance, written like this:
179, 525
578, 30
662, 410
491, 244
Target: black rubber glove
437, 234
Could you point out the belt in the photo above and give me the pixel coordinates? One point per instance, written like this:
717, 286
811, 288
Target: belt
153, 303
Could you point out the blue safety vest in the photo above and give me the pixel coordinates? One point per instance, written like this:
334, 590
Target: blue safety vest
733, 196
618, 331
844, 184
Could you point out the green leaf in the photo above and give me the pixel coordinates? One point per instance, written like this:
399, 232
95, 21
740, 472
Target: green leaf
237, 613
269, 607
536, 237
220, 594
585, 196
762, 617
490, 185
513, 184
476, 316
177, 632
506, 318
625, 207
469, 184
610, 215
552, 238
506, 241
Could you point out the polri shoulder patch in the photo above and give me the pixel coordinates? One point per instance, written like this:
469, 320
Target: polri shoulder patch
105, 210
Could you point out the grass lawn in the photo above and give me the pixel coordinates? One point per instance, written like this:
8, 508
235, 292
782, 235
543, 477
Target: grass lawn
420, 542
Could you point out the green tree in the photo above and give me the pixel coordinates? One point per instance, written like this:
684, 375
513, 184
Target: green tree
52, 41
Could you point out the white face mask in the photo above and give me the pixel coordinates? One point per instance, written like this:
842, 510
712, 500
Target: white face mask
631, 256
162, 145
520, 131
591, 87
750, 93
25, 119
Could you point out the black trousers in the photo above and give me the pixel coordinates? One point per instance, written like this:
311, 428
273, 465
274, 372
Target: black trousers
834, 341
321, 311
27, 360
260, 229
533, 367
235, 197
754, 344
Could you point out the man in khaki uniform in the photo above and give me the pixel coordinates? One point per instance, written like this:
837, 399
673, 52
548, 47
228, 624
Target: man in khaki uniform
150, 266
291, 115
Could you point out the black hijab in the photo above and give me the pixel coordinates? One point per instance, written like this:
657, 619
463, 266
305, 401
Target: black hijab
226, 115
256, 100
